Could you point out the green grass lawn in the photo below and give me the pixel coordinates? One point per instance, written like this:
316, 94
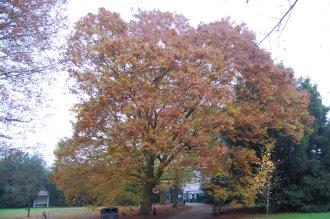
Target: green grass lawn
11, 213
22, 212
17, 212
321, 215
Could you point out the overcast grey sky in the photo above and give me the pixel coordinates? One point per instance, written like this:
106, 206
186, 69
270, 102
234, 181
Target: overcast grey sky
304, 44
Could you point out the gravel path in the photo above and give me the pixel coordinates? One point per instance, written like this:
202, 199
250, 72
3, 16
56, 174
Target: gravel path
197, 211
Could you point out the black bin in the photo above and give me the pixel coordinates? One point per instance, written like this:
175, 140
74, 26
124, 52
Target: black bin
109, 213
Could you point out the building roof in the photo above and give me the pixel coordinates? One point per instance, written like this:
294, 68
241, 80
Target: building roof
43, 192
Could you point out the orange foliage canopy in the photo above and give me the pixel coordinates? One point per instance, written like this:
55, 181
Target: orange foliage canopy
156, 90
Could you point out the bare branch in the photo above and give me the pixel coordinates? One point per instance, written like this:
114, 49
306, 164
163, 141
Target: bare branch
288, 12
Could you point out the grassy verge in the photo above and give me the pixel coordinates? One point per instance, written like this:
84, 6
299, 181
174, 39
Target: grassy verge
250, 213
321, 215
7, 213
163, 211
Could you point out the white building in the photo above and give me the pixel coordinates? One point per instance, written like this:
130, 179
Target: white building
42, 200
192, 192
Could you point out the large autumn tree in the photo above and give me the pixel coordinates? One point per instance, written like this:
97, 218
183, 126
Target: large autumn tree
156, 90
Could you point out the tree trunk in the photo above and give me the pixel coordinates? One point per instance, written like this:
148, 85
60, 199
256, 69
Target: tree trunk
151, 179
174, 197
267, 201
162, 197
29, 205
146, 204
149, 184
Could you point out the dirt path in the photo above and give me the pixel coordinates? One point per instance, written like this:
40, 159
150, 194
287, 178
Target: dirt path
197, 211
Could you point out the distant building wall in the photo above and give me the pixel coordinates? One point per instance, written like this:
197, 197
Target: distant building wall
194, 196
192, 192
42, 199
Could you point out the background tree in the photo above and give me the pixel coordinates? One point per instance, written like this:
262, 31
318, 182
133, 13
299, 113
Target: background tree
56, 196
236, 179
303, 168
248, 167
156, 89
27, 28
103, 185
22, 176
174, 179
268, 181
